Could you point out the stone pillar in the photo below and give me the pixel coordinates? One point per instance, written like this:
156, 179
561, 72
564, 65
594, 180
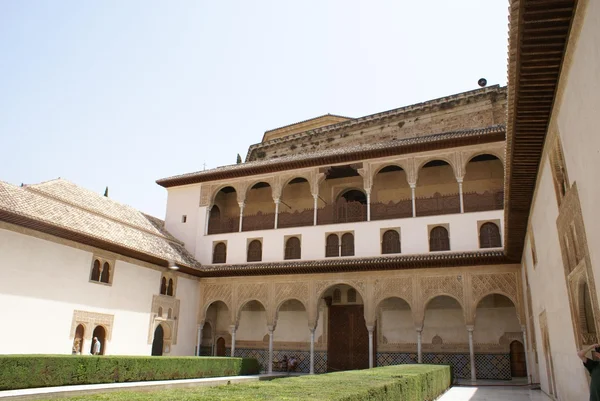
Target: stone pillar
312, 351
419, 347
526, 353
242, 204
369, 206
232, 328
414, 203
276, 200
472, 353
207, 220
199, 339
460, 194
370, 328
316, 206
270, 370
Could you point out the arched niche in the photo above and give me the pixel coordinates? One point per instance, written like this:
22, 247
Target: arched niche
437, 189
291, 322
259, 208
395, 322
483, 183
252, 321
444, 317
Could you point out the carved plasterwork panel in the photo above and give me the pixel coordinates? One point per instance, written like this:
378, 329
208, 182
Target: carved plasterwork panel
393, 287
441, 285
359, 285
252, 291
501, 283
293, 290
171, 323
90, 320
215, 292
449, 157
495, 149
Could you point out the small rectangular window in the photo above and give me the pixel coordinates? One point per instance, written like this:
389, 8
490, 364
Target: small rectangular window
184, 218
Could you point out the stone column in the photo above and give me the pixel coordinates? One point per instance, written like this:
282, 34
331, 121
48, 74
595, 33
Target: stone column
414, 203
419, 346
526, 353
270, 370
242, 204
472, 353
199, 339
460, 194
316, 206
370, 328
208, 208
232, 328
369, 205
276, 200
312, 351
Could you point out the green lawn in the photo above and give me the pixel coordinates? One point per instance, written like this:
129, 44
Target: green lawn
402, 382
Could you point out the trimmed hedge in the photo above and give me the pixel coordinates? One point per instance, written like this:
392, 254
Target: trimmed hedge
399, 382
26, 371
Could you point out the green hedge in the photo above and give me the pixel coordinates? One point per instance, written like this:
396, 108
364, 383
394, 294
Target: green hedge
26, 371
400, 382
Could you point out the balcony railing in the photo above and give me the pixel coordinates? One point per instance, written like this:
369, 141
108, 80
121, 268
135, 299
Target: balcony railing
296, 219
348, 212
258, 221
391, 210
489, 200
224, 225
438, 204
342, 212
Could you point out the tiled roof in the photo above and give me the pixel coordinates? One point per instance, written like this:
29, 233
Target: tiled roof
355, 152
443, 259
62, 207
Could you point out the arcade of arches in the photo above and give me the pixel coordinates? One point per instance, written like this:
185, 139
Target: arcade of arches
469, 317
461, 181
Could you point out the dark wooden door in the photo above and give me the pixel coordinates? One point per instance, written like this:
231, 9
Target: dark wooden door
348, 340
157, 343
518, 367
221, 346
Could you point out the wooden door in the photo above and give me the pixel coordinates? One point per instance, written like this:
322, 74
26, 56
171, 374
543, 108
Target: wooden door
518, 367
348, 339
221, 346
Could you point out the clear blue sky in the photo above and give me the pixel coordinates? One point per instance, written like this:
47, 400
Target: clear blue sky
121, 93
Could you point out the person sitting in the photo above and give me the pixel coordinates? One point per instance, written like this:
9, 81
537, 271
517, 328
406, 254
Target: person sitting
284, 364
292, 364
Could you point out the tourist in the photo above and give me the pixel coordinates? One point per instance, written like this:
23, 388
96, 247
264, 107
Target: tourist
96, 346
293, 362
593, 368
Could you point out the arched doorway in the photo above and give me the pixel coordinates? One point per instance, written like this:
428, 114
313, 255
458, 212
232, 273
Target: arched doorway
518, 367
78, 340
221, 346
348, 338
206, 343
100, 334
157, 343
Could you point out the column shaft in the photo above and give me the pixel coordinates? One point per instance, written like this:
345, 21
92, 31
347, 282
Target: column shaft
199, 339
312, 351
472, 355
276, 212
270, 370
460, 194
526, 354
414, 202
368, 206
316, 205
419, 348
207, 220
233, 342
370, 328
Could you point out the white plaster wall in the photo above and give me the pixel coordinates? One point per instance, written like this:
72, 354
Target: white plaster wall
492, 323
577, 120
187, 321
549, 293
42, 283
397, 325
292, 326
449, 324
252, 326
184, 201
414, 237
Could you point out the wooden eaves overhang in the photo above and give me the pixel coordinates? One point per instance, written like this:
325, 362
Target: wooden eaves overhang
538, 36
494, 133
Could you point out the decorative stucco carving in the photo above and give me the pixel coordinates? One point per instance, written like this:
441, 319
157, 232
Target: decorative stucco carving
502, 283
393, 287
90, 320
432, 286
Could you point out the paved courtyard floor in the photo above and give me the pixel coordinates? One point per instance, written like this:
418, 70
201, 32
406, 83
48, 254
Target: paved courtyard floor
494, 393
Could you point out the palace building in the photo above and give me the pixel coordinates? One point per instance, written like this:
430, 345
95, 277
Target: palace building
461, 230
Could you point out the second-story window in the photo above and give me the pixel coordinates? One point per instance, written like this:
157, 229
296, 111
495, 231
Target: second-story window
254, 251
170, 288
220, 253
390, 243
292, 248
101, 271
348, 244
163, 286
489, 236
332, 247
439, 239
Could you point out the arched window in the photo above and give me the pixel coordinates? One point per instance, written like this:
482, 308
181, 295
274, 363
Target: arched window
332, 248
292, 248
96, 271
348, 244
214, 220
220, 253
160, 311
170, 313
351, 295
105, 273
438, 239
255, 251
337, 296
390, 242
489, 236
170, 287
163, 286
